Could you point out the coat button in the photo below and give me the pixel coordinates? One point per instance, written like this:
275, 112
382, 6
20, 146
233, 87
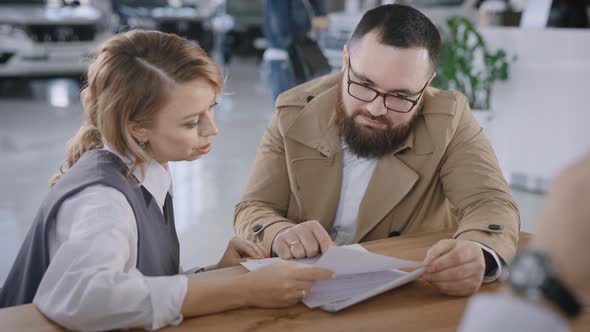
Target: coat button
257, 227
494, 227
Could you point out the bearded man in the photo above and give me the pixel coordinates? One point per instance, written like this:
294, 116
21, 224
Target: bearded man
375, 152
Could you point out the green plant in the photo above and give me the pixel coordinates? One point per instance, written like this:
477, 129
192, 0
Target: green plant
467, 65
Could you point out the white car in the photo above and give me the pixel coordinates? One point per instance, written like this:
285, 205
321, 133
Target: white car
191, 19
39, 40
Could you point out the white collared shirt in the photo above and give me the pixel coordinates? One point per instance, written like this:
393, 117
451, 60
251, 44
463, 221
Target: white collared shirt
92, 282
356, 174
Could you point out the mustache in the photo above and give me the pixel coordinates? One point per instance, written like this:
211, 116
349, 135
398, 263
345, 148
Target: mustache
381, 119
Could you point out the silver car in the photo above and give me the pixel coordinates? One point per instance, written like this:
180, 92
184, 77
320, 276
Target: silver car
41, 39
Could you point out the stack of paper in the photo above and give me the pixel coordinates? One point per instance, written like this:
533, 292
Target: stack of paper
359, 276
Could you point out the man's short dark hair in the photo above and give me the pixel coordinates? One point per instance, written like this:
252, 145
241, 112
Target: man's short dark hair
401, 26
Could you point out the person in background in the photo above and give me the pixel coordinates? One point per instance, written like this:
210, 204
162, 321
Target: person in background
103, 252
548, 282
283, 22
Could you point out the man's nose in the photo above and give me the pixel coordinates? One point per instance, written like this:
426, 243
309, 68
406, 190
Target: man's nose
376, 107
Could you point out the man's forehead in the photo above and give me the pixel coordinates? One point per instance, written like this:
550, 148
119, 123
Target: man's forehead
390, 67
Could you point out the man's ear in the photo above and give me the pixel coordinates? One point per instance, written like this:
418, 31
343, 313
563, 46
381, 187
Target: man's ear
138, 132
344, 57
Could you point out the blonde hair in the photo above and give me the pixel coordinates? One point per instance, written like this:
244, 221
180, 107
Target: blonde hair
130, 81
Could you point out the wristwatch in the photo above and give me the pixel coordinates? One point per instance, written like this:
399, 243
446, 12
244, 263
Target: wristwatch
531, 275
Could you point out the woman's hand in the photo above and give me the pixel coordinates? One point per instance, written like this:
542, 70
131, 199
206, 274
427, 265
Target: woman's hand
281, 284
238, 250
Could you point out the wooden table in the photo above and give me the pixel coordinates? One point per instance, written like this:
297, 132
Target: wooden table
414, 307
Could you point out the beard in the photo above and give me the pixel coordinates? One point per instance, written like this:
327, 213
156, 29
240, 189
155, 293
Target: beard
369, 142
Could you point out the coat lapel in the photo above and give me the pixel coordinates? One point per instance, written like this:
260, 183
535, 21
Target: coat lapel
394, 177
391, 181
314, 151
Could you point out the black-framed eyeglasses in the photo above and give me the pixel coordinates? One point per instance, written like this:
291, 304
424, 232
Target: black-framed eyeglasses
392, 102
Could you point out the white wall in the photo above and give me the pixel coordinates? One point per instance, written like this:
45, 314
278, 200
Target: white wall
542, 120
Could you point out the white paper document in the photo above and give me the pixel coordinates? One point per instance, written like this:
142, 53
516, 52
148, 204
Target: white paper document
254, 264
359, 276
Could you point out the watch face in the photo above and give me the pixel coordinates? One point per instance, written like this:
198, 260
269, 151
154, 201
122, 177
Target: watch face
532, 275
528, 271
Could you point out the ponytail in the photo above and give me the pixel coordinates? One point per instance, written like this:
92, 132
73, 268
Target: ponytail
88, 138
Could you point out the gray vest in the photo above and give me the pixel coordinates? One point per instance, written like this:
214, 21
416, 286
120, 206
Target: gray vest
157, 245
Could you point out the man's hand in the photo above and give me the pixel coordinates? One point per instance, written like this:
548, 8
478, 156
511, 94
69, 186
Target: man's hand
307, 239
455, 267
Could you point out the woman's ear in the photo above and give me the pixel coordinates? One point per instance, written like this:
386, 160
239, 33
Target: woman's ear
138, 132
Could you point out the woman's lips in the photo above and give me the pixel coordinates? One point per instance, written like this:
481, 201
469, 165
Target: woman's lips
204, 149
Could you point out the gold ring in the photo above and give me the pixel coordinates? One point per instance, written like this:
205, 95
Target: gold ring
292, 243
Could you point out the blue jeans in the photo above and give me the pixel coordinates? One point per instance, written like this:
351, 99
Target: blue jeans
279, 76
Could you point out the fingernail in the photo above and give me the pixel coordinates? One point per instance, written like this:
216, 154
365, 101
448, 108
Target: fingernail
333, 275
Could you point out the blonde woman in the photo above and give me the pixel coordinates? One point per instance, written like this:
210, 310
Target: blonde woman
103, 252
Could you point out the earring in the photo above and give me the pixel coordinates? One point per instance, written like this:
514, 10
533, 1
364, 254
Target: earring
142, 146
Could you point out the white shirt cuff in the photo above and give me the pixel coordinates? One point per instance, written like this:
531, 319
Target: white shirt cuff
167, 295
500, 312
494, 274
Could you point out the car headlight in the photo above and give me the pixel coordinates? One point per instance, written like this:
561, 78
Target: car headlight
12, 31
